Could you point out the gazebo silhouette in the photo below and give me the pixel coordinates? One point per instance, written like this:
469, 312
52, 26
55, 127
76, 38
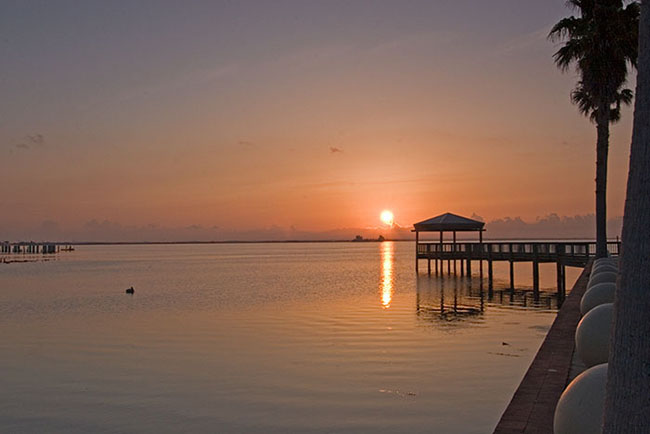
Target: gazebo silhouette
446, 222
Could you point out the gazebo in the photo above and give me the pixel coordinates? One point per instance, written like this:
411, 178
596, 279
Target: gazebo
446, 222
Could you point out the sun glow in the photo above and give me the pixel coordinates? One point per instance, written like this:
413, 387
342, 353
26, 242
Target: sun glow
386, 217
387, 258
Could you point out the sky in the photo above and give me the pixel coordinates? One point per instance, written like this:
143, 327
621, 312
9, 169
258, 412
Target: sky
239, 119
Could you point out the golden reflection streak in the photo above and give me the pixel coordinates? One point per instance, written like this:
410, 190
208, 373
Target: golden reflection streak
387, 259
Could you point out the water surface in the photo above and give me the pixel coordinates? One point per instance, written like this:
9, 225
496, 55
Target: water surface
260, 338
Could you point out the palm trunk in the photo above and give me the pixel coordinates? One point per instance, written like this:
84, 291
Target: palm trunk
627, 405
602, 148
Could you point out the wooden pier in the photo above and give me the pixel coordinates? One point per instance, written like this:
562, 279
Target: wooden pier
460, 256
30, 247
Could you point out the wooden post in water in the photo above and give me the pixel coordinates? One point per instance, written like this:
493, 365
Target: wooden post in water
535, 273
561, 282
454, 253
480, 261
416, 250
560, 250
512, 276
442, 263
490, 277
536, 280
429, 266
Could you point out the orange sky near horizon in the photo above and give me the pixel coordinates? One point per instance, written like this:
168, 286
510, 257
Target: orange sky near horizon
419, 118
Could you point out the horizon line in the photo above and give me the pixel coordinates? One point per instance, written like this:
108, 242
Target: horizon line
365, 240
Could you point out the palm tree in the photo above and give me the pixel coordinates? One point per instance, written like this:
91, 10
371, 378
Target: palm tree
628, 384
602, 43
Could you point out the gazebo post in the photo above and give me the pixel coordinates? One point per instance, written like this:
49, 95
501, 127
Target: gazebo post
462, 268
480, 238
448, 262
441, 260
454, 253
417, 243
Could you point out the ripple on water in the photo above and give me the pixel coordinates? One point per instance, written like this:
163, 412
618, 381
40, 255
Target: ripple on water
258, 338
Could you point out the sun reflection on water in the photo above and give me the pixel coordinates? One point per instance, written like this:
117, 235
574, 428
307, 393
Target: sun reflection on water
387, 259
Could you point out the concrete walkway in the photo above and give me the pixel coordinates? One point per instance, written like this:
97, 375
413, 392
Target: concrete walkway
533, 404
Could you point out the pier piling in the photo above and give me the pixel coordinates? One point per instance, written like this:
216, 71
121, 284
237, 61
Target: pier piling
536, 280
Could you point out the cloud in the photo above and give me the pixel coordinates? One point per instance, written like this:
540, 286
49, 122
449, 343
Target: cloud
477, 217
335, 150
246, 143
31, 141
524, 42
36, 139
187, 78
551, 226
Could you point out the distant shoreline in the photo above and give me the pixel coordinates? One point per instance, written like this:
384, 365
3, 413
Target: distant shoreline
127, 243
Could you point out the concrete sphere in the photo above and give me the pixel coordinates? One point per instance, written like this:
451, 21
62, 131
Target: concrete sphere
605, 261
603, 269
606, 276
604, 265
580, 408
597, 295
592, 335
608, 260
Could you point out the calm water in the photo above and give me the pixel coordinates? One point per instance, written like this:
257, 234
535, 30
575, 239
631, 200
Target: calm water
259, 338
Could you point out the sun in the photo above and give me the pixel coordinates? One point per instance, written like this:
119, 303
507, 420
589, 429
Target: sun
386, 217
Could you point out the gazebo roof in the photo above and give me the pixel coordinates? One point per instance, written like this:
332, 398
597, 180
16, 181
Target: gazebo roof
448, 222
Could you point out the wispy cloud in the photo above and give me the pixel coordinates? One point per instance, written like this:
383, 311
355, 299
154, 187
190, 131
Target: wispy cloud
30, 141
523, 42
437, 38
551, 226
182, 80
36, 139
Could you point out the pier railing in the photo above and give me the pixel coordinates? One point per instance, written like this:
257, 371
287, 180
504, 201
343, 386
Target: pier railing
29, 247
562, 253
551, 251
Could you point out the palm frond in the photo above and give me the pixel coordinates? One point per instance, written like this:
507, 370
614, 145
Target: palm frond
572, 51
626, 96
583, 99
564, 28
602, 43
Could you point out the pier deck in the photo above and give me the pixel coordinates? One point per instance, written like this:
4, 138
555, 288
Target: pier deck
460, 255
31, 247
532, 407
575, 254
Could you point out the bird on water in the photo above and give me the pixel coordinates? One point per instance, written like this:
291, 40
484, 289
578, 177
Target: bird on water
130, 290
